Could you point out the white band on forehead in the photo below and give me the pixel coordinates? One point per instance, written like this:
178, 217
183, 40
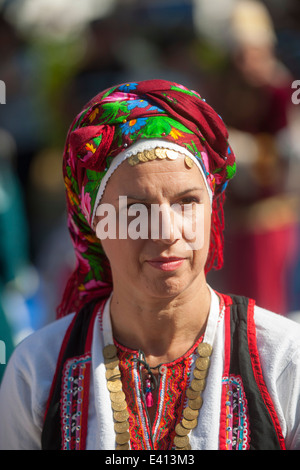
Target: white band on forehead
141, 146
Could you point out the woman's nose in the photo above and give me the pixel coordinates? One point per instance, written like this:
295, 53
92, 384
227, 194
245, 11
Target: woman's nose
163, 225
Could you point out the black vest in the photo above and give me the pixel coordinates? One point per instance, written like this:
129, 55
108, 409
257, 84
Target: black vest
243, 361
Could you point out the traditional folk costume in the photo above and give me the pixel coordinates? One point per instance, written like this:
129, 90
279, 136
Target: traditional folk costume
72, 386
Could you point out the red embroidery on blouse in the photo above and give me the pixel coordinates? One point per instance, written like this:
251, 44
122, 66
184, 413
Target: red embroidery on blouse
171, 399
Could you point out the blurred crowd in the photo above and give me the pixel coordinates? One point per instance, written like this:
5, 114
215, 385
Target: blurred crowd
241, 55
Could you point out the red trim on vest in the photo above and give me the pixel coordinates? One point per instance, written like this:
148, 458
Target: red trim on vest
88, 347
58, 363
256, 366
86, 391
227, 344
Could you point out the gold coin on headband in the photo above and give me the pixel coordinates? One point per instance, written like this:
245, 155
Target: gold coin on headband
133, 160
181, 441
189, 162
114, 385
198, 385
204, 349
172, 155
202, 363
142, 157
161, 153
109, 351
117, 397
121, 427
190, 414
150, 154
195, 403
180, 430
122, 438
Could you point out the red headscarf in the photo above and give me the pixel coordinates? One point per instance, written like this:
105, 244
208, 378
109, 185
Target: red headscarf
111, 122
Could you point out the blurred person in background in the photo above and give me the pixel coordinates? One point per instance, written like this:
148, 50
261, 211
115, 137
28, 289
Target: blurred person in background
17, 276
253, 94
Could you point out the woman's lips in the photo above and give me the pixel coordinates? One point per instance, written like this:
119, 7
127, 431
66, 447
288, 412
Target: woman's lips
166, 264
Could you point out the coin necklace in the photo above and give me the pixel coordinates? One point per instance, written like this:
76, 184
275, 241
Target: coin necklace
190, 413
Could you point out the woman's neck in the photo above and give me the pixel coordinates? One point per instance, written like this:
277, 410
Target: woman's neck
164, 329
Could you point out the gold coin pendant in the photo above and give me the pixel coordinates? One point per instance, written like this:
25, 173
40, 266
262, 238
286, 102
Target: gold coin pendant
204, 349
202, 363
190, 414
181, 431
109, 351
181, 441
196, 403
189, 424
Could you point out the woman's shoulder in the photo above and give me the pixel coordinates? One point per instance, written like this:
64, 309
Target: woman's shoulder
278, 337
278, 326
39, 351
48, 333
26, 384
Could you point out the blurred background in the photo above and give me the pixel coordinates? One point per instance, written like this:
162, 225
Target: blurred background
242, 56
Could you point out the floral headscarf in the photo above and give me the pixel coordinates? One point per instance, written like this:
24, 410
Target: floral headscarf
111, 122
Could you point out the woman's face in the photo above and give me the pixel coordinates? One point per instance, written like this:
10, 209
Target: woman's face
170, 257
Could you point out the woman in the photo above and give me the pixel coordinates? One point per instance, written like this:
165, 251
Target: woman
145, 354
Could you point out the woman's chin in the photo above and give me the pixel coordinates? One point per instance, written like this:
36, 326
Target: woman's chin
167, 287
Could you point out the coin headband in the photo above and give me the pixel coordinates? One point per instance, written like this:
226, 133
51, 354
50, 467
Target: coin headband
141, 147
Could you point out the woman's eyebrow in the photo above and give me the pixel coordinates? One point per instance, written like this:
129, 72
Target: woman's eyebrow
181, 193
189, 190
143, 198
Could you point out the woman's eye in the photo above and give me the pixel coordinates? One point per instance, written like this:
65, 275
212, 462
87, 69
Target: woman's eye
190, 200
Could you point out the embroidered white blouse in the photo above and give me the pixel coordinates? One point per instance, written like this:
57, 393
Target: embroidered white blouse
26, 384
